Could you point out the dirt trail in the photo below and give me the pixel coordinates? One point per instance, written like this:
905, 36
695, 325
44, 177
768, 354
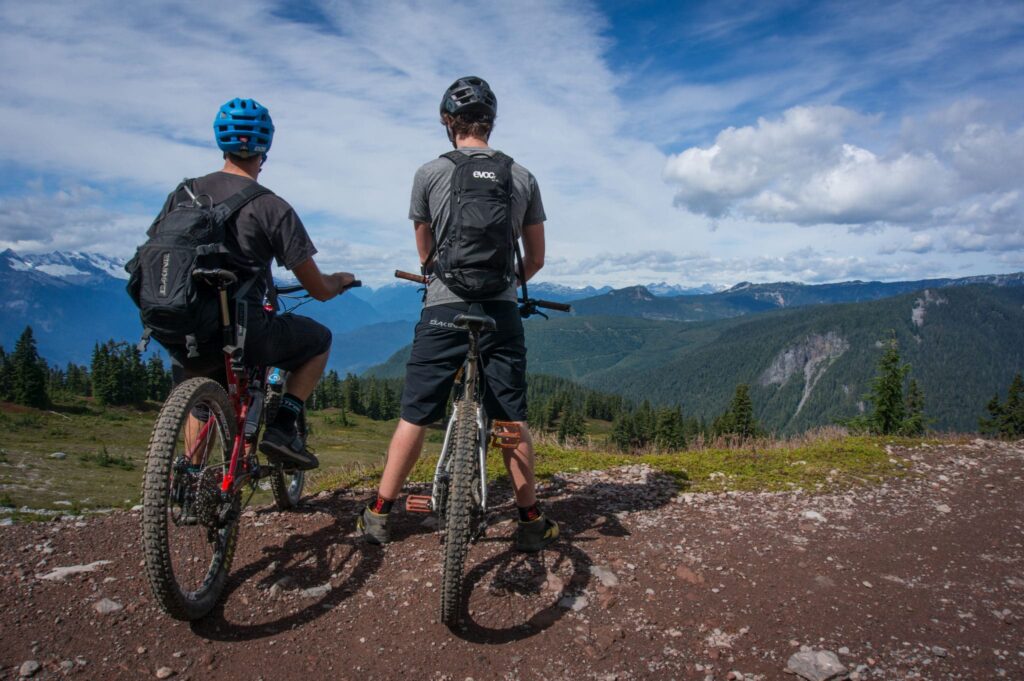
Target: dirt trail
922, 577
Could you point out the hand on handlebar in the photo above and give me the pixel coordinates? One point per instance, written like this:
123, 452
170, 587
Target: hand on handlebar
342, 281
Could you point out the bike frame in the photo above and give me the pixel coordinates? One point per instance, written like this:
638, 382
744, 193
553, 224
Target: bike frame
471, 381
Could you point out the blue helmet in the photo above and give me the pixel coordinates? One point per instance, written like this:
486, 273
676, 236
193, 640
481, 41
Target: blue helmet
243, 127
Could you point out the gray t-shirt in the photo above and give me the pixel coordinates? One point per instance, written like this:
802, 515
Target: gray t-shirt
431, 203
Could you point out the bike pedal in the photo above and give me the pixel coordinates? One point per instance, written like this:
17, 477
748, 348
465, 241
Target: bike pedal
419, 503
505, 434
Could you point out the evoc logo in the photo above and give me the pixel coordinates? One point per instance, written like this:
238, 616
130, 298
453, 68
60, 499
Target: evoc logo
485, 175
165, 264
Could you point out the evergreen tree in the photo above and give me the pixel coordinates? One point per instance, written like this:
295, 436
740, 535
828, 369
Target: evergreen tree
28, 384
913, 421
572, 428
388, 403
6, 376
352, 394
373, 403
623, 431
669, 434
738, 419
158, 379
1007, 419
888, 407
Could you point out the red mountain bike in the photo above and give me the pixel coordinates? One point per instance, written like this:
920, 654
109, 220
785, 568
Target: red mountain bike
201, 458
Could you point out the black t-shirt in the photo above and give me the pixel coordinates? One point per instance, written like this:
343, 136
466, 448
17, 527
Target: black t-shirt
265, 229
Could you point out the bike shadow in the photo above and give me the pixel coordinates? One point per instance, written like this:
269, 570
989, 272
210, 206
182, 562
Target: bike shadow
532, 592
301, 569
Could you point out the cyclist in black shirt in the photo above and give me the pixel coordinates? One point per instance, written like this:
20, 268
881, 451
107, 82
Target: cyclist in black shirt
265, 229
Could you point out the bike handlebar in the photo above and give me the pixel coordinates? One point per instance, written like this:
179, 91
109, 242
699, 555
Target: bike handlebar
547, 304
284, 290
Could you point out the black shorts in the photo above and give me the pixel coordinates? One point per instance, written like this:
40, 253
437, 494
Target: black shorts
438, 350
286, 341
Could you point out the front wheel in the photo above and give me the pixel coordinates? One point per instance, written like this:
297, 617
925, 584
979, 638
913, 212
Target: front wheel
463, 509
189, 527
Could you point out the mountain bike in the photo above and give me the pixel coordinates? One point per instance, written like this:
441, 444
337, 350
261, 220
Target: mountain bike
202, 456
459, 492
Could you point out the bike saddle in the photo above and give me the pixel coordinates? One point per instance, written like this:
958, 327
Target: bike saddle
475, 316
215, 277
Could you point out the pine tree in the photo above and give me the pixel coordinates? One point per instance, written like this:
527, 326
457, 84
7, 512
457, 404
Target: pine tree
913, 421
572, 428
28, 384
1007, 419
6, 376
158, 379
352, 394
623, 431
888, 407
669, 434
742, 410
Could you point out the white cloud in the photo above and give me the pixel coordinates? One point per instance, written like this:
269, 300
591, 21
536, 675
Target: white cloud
801, 168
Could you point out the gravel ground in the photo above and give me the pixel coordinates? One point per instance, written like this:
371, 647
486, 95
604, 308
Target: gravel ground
921, 577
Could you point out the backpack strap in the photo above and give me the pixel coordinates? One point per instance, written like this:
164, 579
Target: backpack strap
234, 203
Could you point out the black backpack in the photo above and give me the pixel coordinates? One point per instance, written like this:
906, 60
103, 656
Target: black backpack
476, 259
174, 308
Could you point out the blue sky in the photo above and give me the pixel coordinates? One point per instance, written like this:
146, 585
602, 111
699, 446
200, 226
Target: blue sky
673, 141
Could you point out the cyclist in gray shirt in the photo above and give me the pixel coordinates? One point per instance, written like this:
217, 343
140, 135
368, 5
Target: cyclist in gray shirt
468, 109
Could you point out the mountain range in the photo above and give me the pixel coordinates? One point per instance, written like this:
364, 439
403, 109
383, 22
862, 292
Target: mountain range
808, 351
806, 366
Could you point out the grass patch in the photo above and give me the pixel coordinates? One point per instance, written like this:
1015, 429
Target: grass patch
817, 466
6, 500
107, 460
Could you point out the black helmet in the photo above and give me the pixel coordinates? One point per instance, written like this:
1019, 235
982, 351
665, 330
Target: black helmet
469, 94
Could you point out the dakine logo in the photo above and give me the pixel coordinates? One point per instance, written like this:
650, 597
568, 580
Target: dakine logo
485, 175
165, 265
443, 324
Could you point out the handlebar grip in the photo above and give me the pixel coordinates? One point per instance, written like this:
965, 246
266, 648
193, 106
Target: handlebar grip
561, 307
409, 276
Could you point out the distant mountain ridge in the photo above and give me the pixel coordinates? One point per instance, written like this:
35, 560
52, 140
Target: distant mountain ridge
806, 366
74, 299
746, 298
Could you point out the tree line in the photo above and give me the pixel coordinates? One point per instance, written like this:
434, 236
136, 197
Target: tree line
116, 375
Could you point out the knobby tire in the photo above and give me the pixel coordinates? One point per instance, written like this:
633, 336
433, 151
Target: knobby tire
462, 510
160, 459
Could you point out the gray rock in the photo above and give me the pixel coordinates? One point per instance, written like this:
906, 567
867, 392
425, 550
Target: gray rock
164, 673
813, 515
604, 575
816, 665
29, 668
943, 508
939, 651
317, 591
66, 666
105, 606
574, 603
60, 573
60, 456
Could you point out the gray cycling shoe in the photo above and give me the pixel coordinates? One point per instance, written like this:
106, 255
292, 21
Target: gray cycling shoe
289, 450
536, 534
373, 526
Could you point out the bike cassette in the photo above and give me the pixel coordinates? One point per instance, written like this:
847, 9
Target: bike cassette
419, 503
505, 434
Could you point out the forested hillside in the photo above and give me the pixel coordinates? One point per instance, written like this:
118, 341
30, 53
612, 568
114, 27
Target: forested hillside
808, 366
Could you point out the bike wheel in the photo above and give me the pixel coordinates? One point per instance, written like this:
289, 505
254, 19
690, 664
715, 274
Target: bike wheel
188, 529
286, 485
462, 511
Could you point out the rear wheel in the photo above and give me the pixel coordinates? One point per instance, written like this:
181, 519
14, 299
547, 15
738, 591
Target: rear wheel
462, 511
189, 527
286, 485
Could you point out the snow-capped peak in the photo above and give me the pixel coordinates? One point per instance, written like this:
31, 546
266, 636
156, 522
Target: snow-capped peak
73, 266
